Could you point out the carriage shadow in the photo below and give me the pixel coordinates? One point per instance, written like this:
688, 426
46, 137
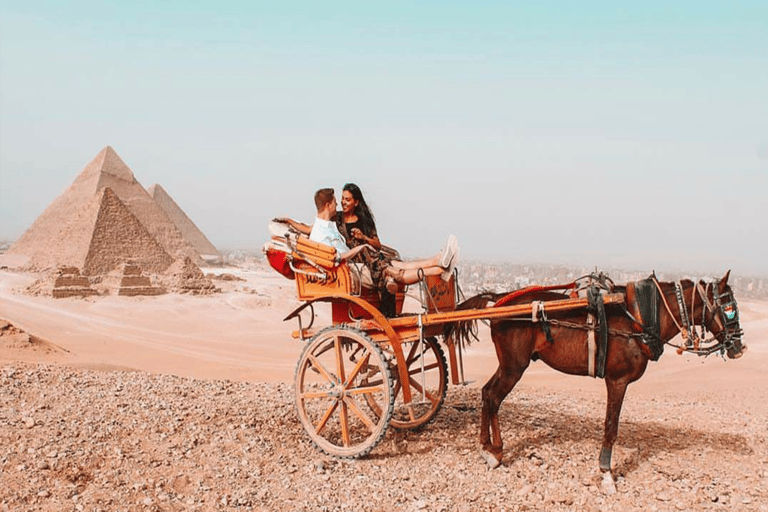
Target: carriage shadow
528, 427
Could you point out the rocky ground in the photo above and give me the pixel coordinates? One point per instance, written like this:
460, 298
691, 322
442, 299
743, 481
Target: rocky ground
85, 440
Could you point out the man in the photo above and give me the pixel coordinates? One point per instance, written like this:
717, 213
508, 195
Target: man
324, 229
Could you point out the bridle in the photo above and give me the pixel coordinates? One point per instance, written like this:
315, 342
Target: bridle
722, 310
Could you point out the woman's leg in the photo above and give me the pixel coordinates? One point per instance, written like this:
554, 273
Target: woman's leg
442, 260
411, 276
434, 261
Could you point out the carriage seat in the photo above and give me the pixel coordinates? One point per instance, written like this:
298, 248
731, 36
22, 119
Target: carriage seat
317, 267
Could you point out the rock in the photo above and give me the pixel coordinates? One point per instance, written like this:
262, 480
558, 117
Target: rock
29, 422
608, 486
525, 490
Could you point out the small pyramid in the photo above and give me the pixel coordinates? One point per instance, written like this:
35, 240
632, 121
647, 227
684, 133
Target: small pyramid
183, 276
61, 234
189, 230
133, 282
69, 283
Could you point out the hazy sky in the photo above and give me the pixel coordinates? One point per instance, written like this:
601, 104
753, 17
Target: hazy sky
588, 133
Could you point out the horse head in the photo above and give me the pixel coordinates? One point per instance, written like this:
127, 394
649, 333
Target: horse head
721, 316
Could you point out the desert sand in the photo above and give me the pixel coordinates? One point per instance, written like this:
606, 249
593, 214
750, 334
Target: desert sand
181, 402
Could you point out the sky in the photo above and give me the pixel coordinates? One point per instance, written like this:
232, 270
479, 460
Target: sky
587, 133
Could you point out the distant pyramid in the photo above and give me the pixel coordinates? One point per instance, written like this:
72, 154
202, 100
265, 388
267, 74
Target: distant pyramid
188, 229
67, 224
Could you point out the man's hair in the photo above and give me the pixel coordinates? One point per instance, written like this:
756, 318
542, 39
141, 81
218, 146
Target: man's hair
323, 197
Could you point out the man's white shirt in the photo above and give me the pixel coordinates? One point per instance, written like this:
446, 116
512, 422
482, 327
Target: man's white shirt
326, 232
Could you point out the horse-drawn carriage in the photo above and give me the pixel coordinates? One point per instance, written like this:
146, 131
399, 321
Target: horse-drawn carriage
368, 371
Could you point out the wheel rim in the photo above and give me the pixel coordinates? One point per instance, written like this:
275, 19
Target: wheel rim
334, 392
426, 399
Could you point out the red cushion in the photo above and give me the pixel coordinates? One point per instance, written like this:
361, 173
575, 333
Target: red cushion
279, 261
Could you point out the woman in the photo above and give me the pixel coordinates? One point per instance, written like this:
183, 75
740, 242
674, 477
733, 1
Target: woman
358, 226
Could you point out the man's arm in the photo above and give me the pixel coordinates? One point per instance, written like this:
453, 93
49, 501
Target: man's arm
355, 251
298, 226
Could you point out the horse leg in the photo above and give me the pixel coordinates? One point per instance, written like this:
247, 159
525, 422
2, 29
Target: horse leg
494, 392
617, 388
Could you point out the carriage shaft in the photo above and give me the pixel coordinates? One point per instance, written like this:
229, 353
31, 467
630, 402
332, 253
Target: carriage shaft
491, 313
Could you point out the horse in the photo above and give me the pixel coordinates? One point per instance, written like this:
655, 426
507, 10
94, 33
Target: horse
633, 338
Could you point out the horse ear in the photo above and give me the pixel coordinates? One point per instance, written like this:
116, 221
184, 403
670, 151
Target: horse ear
724, 281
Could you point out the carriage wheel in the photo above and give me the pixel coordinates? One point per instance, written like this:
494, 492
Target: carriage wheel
427, 389
334, 392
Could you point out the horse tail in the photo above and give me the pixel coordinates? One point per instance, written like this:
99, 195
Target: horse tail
464, 332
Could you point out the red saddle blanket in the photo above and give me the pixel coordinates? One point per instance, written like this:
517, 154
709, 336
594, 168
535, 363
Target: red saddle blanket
529, 290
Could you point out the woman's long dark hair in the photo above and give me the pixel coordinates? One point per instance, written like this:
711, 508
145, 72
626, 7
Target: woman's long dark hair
363, 212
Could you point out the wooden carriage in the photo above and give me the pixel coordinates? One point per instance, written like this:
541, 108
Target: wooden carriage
366, 371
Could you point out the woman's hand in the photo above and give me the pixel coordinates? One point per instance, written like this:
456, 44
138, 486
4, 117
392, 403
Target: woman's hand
357, 234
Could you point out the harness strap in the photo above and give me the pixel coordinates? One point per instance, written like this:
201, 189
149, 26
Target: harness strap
537, 308
666, 304
591, 345
597, 306
689, 335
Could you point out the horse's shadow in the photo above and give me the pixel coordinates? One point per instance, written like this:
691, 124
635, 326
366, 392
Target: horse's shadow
526, 426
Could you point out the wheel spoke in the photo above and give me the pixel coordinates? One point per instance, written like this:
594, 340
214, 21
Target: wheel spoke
397, 387
345, 424
426, 393
414, 371
365, 390
310, 395
324, 420
340, 360
412, 354
374, 382
352, 403
320, 368
356, 370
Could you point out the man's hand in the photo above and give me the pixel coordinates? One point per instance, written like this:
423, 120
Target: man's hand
298, 226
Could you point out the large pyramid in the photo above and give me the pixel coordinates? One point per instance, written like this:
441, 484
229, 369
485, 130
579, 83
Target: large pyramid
189, 230
102, 235
63, 233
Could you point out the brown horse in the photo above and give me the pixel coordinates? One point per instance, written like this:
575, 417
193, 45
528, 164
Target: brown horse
561, 342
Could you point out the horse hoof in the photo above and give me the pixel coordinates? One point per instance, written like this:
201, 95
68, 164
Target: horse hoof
490, 459
608, 485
